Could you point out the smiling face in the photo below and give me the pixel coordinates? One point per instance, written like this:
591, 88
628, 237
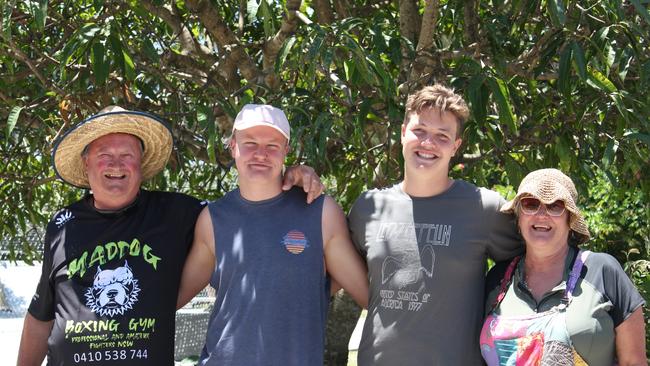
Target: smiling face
259, 154
543, 232
429, 141
113, 166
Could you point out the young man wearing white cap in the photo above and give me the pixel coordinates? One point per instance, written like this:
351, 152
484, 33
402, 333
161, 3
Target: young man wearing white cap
112, 260
426, 241
268, 254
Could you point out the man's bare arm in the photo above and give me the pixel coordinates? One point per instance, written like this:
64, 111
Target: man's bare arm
200, 262
33, 342
342, 261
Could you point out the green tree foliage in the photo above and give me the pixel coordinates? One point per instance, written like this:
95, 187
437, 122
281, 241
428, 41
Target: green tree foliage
550, 83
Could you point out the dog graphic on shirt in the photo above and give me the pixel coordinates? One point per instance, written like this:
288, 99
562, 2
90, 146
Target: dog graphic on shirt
113, 292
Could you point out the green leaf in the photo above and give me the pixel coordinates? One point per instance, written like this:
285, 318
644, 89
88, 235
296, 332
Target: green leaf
348, 67
579, 60
502, 97
150, 50
549, 52
316, 44
645, 138
381, 74
599, 81
116, 44
395, 51
324, 126
609, 154
620, 106
38, 10
129, 67
645, 75
564, 77
284, 52
513, 168
146, 90
11, 121
610, 56
477, 97
600, 38
7, 10
556, 11
267, 18
118, 53
77, 41
563, 152
205, 119
98, 5
641, 10
100, 67
251, 10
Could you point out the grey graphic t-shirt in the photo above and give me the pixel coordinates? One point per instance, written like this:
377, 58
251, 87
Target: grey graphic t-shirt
426, 262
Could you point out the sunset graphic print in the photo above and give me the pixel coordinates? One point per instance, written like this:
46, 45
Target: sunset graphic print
295, 242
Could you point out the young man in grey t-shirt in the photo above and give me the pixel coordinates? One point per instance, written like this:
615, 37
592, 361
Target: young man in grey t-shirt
426, 241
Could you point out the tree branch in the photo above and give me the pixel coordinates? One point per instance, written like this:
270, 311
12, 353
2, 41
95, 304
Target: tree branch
20, 55
170, 15
425, 41
409, 19
342, 8
225, 38
529, 60
432, 60
186, 62
171, 18
273, 46
471, 21
324, 12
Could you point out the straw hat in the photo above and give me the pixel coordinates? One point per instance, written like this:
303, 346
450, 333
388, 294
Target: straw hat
155, 135
548, 186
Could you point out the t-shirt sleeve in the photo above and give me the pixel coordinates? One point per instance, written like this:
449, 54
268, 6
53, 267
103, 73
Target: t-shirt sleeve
357, 226
42, 304
504, 241
615, 285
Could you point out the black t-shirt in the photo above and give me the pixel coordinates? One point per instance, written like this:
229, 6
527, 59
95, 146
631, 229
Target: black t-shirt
110, 280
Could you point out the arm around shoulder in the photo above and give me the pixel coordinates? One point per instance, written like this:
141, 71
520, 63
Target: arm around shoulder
33, 342
342, 260
200, 262
504, 241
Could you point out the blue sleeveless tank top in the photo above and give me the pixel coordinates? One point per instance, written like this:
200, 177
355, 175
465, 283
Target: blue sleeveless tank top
271, 289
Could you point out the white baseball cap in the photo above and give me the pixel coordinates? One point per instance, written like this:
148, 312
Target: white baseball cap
252, 115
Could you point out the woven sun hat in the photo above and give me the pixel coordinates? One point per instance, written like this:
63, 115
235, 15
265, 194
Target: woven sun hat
548, 186
252, 115
154, 133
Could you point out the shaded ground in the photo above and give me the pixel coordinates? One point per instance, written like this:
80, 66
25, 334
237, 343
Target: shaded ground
342, 319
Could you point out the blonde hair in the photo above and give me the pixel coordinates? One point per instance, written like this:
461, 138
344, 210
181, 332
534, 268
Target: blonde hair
440, 97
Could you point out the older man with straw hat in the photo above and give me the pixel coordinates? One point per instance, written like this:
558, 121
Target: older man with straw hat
113, 260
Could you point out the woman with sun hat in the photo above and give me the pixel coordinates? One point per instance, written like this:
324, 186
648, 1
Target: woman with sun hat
558, 304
